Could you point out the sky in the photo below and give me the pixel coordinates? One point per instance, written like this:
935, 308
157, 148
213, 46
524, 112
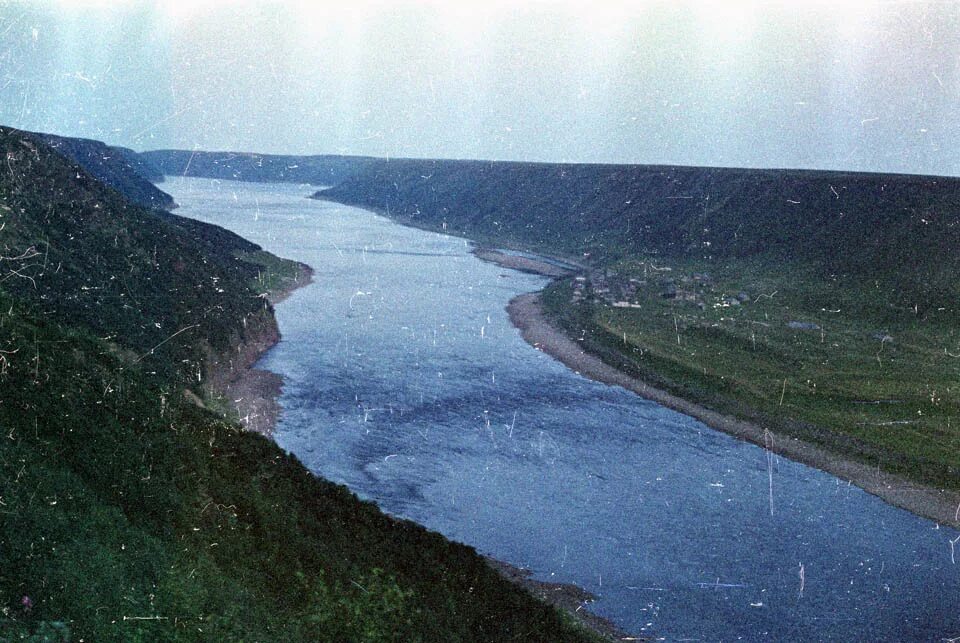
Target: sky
815, 84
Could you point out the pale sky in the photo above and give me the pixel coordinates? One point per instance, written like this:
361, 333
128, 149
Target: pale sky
814, 84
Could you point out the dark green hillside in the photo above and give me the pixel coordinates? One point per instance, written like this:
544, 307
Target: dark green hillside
84, 255
119, 167
239, 166
900, 229
128, 512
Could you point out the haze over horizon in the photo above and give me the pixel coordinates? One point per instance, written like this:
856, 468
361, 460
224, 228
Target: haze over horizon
869, 86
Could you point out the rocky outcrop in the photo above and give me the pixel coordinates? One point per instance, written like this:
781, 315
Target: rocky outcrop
251, 393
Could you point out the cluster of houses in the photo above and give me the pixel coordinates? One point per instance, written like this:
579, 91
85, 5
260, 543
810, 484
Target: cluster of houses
607, 287
611, 288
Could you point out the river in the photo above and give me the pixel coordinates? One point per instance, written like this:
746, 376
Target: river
405, 381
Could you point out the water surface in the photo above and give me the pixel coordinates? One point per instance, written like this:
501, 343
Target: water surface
405, 381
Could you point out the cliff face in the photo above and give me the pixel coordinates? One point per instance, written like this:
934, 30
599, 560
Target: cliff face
896, 228
239, 166
118, 167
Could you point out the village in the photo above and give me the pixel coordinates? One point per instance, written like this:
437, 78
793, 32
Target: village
622, 290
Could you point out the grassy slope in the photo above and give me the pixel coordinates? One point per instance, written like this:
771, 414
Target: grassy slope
880, 249
900, 230
890, 402
128, 513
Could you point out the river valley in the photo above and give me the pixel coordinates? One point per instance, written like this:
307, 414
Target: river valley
405, 381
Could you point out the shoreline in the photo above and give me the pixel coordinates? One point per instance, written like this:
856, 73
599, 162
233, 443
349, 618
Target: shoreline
940, 506
566, 596
523, 264
253, 392
527, 315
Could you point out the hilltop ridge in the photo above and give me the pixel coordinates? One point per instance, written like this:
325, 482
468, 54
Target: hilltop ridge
130, 508
118, 167
320, 169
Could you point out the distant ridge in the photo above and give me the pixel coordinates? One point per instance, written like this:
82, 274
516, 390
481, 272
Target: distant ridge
902, 230
241, 166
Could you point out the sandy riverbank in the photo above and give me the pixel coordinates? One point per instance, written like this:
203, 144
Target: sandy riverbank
523, 264
527, 315
940, 506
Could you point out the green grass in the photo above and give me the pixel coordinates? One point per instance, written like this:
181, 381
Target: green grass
893, 403
133, 515
274, 275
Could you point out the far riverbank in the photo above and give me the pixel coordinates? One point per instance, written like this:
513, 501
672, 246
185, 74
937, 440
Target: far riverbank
527, 314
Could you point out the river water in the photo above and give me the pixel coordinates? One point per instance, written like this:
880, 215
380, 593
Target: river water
405, 381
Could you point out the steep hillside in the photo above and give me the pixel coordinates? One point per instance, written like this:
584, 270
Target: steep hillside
899, 229
128, 511
119, 167
239, 166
